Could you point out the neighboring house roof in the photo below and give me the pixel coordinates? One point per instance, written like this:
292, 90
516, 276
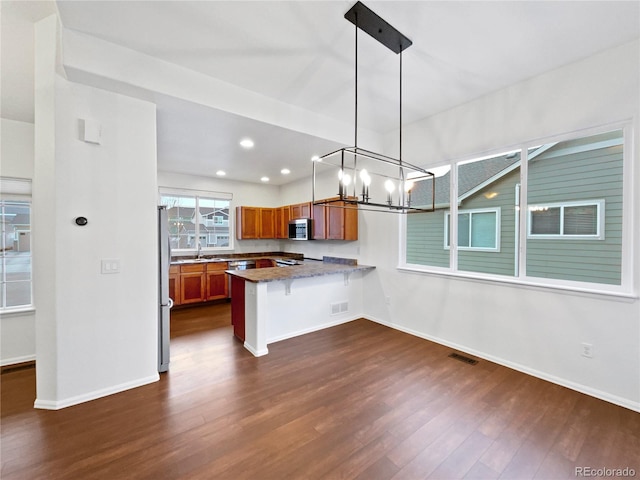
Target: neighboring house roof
471, 177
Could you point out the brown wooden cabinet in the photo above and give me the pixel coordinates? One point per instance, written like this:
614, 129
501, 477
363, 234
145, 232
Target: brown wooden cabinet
300, 210
335, 221
267, 223
247, 222
282, 217
174, 284
217, 281
264, 263
255, 222
192, 283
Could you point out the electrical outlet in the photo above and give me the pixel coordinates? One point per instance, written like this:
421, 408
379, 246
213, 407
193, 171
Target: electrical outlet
587, 350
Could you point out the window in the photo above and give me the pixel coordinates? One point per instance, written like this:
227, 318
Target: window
566, 231
15, 245
478, 230
198, 221
571, 220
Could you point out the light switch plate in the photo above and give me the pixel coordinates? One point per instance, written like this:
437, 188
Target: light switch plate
110, 266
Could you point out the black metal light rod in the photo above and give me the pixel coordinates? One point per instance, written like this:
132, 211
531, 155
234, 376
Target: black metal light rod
368, 21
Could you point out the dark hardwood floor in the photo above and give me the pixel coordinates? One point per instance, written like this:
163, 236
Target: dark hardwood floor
357, 401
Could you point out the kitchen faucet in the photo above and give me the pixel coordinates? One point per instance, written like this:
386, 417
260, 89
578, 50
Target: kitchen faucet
199, 251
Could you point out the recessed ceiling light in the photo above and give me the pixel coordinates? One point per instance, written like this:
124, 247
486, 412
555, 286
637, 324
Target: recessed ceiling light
221, 173
264, 179
246, 143
285, 171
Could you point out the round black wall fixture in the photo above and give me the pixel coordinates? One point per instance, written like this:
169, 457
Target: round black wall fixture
81, 221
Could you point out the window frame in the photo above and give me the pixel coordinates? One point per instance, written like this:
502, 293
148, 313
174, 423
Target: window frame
600, 215
197, 233
16, 190
627, 287
495, 210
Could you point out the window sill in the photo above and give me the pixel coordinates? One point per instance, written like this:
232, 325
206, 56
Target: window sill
526, 284
17, 311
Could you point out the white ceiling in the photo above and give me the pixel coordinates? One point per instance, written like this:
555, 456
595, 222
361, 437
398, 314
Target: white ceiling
302, 53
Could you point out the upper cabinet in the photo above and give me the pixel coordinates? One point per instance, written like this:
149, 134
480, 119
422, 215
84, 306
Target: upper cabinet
301, 210
255, 222
282, 217
247, 222
267, 223
334, 221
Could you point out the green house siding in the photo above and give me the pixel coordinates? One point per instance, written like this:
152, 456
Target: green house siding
589, 175
502, 193
425, 239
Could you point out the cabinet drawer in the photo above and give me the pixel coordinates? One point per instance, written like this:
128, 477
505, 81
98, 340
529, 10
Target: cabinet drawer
174, 269
192, 268
214, 266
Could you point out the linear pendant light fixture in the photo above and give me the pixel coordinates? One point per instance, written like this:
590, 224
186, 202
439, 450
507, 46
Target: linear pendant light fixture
366, 179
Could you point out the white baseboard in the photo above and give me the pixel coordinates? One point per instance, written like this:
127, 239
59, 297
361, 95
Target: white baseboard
86, 397
12, 361
607, 397
254, 352
297, 333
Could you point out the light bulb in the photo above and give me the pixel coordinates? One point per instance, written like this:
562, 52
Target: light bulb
346, 179
408, 185
364, 176
389, 186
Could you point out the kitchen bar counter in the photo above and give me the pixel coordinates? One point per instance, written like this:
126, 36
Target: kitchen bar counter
303, 269
266, 309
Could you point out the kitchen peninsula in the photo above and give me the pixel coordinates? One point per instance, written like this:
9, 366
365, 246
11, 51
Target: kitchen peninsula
272, 304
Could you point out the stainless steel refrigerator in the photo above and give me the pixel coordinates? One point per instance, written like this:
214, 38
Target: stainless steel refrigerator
165, 303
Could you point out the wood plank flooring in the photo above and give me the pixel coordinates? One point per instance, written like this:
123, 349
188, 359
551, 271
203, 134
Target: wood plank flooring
357, 401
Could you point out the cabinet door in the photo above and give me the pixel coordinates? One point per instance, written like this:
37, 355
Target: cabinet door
319, 220
192, 287
174, 288
247, 222
335, 222
267, 223
301, 210
217, 285
217, 281
282, 216
264, 263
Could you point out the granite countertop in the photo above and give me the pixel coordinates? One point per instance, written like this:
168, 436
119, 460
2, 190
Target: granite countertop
304, 269
237, 256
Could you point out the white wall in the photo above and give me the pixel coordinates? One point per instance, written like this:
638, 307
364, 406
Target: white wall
534, 330
96, 333
17, 330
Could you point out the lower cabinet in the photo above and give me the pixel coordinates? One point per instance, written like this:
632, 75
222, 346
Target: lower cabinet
217, 282
192, 283
197, 283
237, 307
174, 284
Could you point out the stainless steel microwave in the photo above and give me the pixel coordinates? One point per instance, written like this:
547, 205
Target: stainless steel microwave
301, 229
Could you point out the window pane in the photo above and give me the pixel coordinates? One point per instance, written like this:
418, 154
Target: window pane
463, 229
487, 198
545, 221
214, 221
181, 213
581, 220
15, 254
425, 238
18, 294
582, 170
483, 230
